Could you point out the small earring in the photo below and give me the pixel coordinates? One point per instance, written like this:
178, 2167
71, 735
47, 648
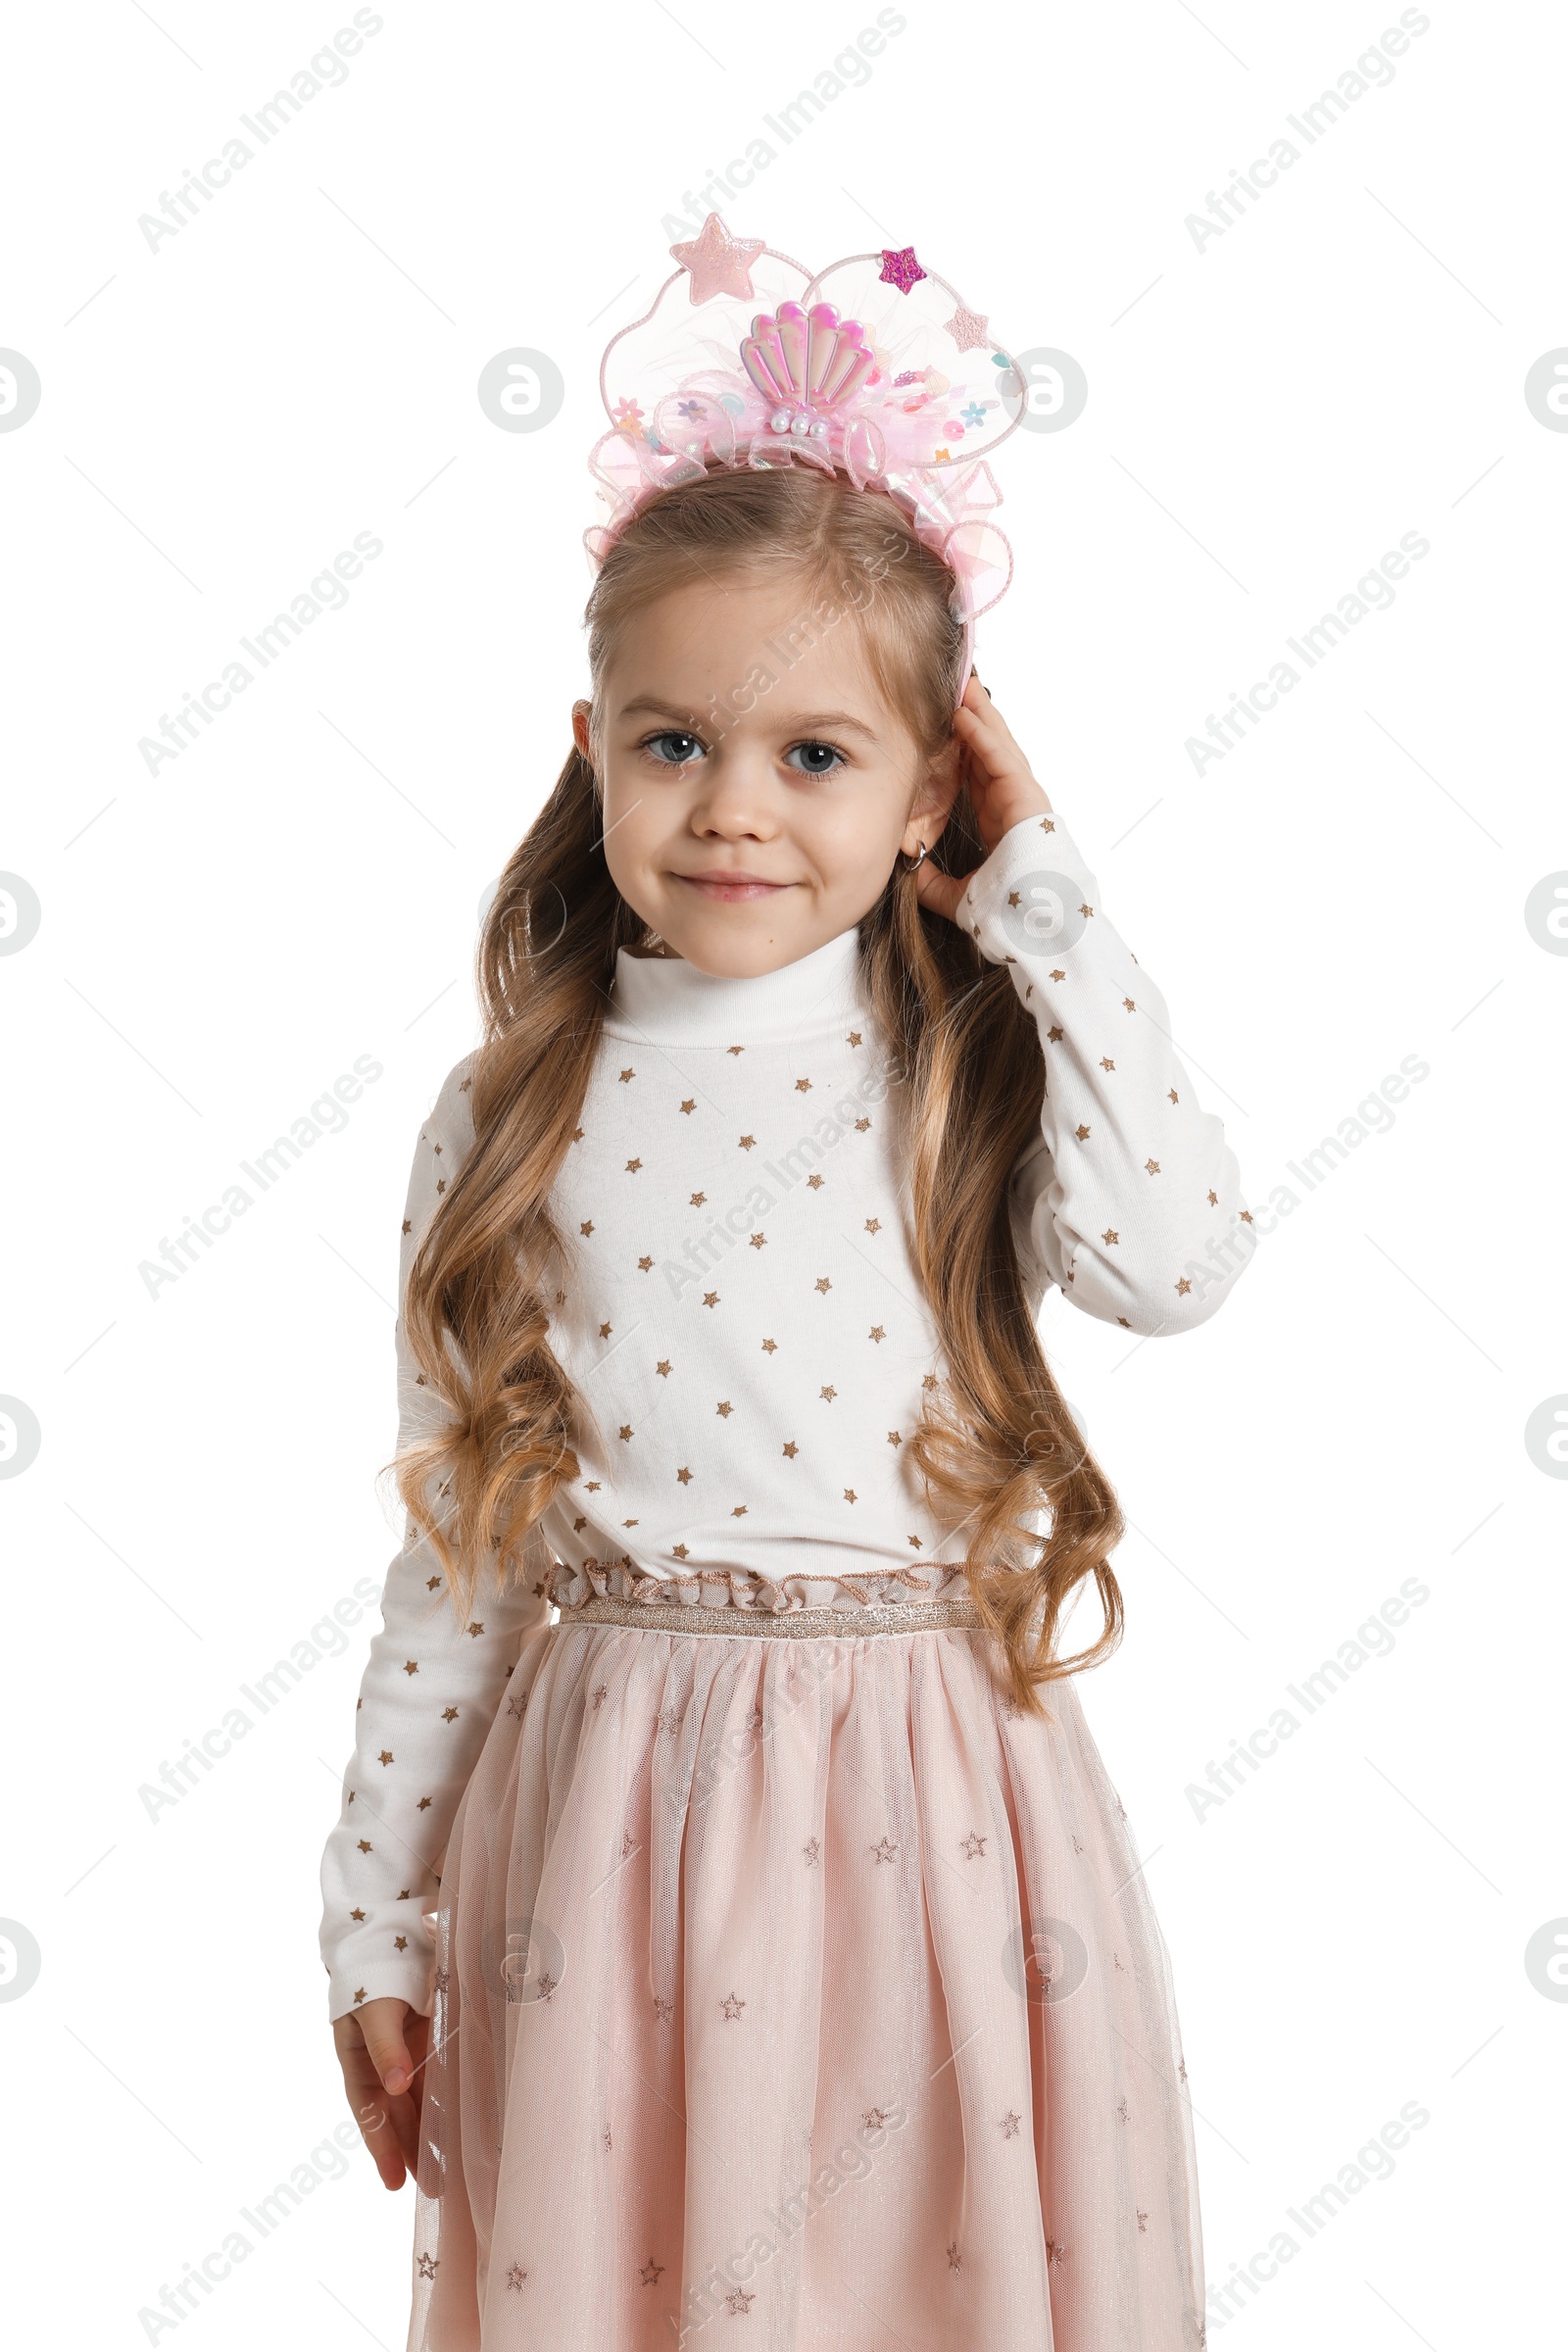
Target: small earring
919, 862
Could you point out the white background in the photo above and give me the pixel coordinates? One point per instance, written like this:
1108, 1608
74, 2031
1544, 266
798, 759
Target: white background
1266, 416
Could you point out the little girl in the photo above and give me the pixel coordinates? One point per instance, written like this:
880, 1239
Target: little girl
791, 1958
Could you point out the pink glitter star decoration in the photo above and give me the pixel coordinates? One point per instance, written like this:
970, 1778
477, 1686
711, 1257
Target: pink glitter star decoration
968, 329
719, 263
900, 268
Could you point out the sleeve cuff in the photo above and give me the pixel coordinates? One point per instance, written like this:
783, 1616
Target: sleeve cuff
411, 1979
1034, 894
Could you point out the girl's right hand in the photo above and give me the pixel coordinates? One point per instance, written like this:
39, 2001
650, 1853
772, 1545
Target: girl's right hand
382, 2049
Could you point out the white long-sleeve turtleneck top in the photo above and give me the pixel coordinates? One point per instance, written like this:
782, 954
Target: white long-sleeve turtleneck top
742, 1323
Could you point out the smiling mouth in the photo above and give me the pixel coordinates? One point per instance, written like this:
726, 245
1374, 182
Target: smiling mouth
722, 884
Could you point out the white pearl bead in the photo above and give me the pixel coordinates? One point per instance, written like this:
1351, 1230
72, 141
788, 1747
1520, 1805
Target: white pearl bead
819, 431
799, 425
779, 422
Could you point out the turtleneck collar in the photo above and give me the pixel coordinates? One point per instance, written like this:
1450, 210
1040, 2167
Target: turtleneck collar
659, 1000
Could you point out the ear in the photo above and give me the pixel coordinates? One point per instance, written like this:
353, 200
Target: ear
580, 730
933, 802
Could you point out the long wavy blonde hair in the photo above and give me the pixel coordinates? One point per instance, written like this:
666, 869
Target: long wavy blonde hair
997, 1444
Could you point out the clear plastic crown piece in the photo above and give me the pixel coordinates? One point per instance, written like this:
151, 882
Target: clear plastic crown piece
875, 368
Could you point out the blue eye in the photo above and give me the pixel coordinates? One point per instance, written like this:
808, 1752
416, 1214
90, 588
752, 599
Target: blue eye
685, 747
820, 758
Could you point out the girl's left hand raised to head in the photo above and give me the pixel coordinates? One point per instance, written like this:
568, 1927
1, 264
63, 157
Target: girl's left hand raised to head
1002, 787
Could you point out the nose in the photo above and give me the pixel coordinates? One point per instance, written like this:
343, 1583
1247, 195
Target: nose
736, 795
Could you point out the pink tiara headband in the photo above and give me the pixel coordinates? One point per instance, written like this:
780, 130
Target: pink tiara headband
875, 368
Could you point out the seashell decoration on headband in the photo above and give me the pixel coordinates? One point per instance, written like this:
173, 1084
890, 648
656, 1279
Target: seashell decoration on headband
874, 370
808, 357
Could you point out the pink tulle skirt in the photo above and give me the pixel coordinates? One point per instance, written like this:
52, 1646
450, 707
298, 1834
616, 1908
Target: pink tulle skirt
800, 1981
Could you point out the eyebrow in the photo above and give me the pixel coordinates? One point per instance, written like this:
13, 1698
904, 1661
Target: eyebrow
658, 710
840, 721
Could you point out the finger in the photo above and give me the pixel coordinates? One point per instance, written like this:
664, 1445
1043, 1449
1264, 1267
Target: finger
990, 757
942, 893
405, 2112
403, 2116
977, 734
378, 2136
403, 2108
985, 722
369, 2104
384, 2027
378, 2069
984, 725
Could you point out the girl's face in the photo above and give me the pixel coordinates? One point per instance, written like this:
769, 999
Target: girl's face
749, 822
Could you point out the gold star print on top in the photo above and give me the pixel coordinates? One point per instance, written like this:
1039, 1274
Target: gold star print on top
742, 1319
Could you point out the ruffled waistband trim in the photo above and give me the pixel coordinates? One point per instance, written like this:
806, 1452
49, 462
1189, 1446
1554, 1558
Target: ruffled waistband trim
747, 1591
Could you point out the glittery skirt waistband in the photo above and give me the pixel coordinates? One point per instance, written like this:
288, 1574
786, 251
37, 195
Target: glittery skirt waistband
853, 1624
797, 1605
